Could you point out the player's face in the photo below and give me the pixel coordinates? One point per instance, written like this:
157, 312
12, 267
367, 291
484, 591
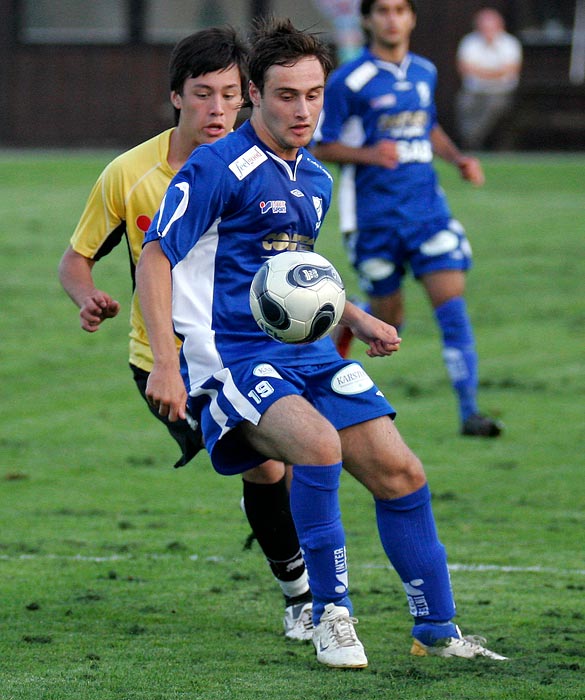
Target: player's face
285, 114
390, 24
209, 105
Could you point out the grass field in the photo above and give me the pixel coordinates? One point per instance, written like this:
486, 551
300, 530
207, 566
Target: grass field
124, 579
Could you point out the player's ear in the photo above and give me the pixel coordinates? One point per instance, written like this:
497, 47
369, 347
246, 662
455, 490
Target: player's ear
176, 99
254, 94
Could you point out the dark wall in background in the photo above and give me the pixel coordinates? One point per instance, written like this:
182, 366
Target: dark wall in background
117, 96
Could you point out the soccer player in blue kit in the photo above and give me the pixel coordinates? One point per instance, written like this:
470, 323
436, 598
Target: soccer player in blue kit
301, 404
379, 121
208, 76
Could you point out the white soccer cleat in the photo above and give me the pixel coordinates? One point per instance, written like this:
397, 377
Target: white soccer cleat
298, 622
335, 639
469, 647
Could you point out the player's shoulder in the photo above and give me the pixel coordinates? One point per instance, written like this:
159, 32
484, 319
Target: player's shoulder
423, 64
354, 74
142, 157
312, 164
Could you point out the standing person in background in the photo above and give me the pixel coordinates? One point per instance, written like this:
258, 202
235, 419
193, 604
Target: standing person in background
489, 61
379, 121
208, 79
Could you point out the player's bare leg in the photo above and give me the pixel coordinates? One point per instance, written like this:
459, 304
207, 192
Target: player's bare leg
298, 434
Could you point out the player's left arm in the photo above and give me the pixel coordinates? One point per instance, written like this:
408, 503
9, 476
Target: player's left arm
468, 166
381, 337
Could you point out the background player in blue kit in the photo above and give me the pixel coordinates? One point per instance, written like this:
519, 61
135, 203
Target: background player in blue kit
302, 404
380, 122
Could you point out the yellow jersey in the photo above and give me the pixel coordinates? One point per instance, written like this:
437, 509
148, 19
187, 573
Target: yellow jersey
121, 205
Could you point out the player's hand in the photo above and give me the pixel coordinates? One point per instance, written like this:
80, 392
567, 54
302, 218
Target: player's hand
381, 337
385, 154
96, 308
471, 170
165, 391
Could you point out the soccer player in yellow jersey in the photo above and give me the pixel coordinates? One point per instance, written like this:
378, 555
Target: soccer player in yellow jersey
208, 77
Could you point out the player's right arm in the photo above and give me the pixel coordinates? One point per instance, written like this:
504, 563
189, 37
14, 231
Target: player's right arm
165, 389
95, 305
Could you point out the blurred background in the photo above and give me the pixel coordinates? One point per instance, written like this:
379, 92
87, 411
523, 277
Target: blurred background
94, 74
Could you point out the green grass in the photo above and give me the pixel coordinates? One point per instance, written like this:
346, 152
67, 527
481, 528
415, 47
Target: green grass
125, 579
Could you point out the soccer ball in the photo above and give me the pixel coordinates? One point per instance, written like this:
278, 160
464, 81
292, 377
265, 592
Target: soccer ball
297, 297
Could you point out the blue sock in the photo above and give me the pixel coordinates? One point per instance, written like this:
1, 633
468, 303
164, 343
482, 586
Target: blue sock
409, 537
459, 353
315, 508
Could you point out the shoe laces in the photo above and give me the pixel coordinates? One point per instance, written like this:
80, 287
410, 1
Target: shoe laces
342, 630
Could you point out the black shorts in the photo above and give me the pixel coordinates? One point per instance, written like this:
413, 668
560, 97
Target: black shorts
188, 439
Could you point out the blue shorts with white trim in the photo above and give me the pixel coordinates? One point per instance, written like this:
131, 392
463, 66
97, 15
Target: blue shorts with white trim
341, 391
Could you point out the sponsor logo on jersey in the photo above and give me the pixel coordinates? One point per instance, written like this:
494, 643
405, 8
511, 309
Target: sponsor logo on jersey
405, 124
277, 242
297, 193
383, 101
247, 162
276, 206
265, 370
351, 380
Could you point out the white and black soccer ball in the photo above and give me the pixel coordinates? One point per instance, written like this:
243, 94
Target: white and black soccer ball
297, 297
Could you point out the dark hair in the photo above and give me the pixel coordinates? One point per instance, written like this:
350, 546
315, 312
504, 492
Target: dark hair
276, 42
206, 51
366, 6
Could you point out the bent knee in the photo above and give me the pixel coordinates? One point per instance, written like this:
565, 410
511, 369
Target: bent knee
399, 478
269, 472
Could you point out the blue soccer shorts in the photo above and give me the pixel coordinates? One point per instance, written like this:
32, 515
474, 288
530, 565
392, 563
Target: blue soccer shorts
382, 256
340, 390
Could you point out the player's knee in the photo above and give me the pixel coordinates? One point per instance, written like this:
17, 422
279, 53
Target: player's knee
397, 477
269, 472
